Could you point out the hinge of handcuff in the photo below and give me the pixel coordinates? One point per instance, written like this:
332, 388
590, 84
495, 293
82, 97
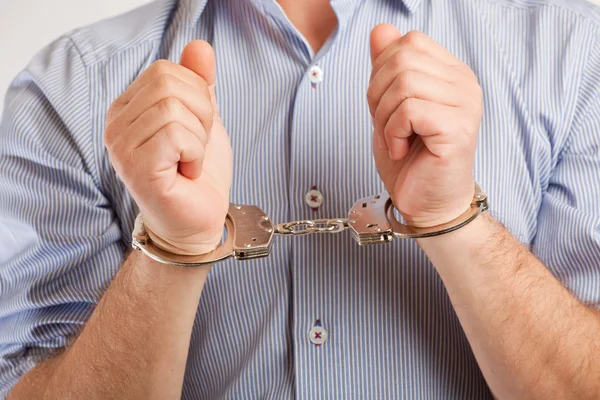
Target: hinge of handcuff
250, 231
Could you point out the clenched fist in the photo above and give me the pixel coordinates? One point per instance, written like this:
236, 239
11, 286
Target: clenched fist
167, 143
426, 107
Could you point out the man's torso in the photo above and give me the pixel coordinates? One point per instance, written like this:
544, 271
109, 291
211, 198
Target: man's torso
392, 331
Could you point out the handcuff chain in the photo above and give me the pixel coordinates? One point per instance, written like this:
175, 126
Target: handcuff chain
307, 226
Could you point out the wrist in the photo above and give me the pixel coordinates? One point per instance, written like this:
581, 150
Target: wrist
463, 243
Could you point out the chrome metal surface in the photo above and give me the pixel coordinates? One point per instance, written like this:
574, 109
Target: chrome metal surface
252, 232
312, 226
249, 235
368, 221
373, 220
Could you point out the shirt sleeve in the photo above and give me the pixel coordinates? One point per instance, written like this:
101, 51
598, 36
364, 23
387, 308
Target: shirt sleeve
568, 237
59, 241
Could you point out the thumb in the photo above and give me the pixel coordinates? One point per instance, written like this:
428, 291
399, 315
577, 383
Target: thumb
199, 57
382, 36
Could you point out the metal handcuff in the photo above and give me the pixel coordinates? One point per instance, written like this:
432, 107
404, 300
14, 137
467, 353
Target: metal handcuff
250, 231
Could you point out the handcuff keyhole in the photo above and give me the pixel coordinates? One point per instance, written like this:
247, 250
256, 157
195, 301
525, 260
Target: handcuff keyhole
372, 225
364, 205
254, 239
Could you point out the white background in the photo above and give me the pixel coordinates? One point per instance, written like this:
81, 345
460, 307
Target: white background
27, 25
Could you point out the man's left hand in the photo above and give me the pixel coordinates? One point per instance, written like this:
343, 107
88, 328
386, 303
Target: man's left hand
426, 107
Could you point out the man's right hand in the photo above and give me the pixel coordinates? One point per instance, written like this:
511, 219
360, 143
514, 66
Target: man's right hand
167, 143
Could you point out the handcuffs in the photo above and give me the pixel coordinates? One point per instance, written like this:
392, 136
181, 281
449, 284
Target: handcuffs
250, 231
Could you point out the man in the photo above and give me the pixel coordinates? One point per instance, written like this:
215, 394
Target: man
314, 100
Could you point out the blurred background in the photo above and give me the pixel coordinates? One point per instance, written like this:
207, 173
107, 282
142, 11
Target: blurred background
27, 25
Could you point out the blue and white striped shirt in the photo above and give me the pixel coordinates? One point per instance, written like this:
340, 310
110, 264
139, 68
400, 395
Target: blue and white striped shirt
65, 217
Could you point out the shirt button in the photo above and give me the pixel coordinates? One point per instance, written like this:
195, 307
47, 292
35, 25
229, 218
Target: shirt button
315, 75
317, 335
314, 198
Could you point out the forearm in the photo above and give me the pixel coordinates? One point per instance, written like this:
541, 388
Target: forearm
531, 337
135, 344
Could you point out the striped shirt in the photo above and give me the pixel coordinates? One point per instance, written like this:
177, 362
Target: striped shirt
66, 218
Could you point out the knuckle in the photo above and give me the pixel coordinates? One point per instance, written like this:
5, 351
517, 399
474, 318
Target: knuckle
169, 130
414, 39
444, 153
371, 95
110, 134
406, 110
174, 133
172, 129
400, 61
389, 130
403, 113
463, 133
404, 82
108, 138
171, 108
161, 67
165, 83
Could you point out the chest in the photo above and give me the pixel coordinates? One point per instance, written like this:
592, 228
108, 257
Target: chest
297, 123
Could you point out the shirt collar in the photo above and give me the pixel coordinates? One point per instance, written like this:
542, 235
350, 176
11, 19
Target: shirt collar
196, 7
411, 5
